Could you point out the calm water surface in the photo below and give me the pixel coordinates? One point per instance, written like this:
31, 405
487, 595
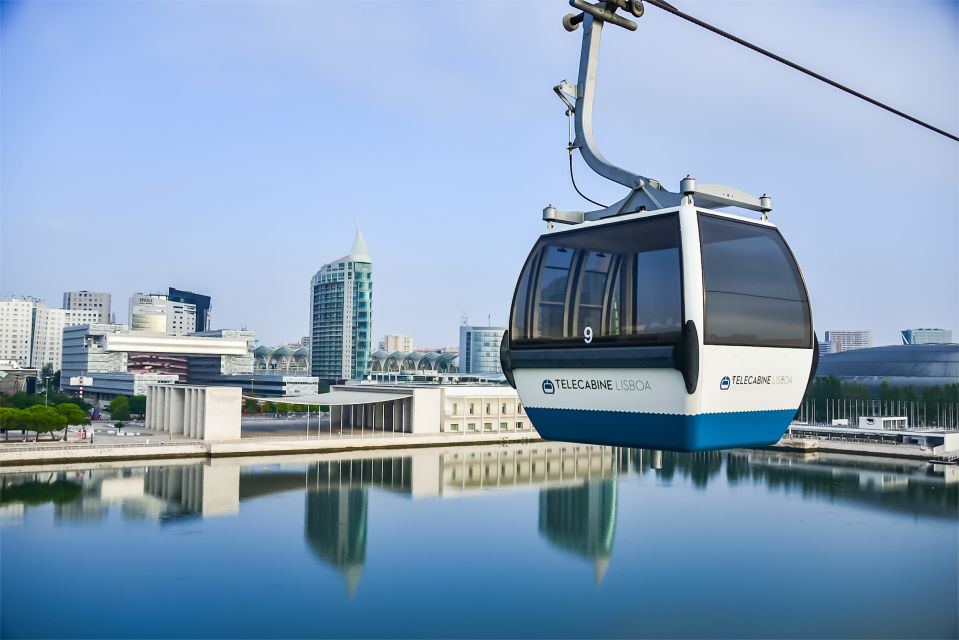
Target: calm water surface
541, 540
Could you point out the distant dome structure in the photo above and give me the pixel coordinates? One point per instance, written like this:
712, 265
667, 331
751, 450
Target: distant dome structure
919, 365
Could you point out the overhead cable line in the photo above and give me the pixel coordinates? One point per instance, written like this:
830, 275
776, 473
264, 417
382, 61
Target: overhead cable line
665, 6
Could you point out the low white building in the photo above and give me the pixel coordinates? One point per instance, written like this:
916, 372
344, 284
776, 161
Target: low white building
424, 408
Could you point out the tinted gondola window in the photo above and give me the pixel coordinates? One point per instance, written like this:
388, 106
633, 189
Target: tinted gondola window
613, 283
754, 293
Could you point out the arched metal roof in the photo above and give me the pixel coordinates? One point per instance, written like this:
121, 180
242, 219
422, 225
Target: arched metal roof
921, 365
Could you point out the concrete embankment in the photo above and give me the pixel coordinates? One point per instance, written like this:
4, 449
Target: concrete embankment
60, 453
808, 445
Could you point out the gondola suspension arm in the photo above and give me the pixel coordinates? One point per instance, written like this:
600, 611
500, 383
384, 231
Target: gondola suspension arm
645, 192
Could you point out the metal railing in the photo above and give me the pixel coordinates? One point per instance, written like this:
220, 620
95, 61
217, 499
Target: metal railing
918, 413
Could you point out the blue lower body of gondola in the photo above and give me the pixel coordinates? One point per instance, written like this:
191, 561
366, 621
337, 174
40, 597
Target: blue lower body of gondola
662, 431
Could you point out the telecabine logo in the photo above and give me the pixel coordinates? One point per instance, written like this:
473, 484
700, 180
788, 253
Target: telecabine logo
724, 383
548, 387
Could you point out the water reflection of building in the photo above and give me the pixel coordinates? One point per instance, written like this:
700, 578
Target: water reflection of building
207, 489
336, 499
336, 530
581, 520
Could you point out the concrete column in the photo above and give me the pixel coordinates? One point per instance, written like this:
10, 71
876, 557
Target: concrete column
148, 418
176, 410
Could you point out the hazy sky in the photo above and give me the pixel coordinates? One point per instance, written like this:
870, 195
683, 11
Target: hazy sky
228, 147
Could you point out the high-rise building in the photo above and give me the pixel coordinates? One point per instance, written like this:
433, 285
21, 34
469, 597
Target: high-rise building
479, 349
393, 343
341, 316
200, 302
48, 332
926, 336
849, 340
88, 301
31, 334
156, 312
17, 317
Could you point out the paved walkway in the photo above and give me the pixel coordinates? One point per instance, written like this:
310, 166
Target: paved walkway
111, 447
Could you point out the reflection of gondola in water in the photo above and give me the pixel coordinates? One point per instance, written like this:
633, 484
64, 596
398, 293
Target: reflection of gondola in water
658, 321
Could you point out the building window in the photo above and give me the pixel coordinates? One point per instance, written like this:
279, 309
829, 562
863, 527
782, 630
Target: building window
454, 427
519, 425
454, 408
487, 426
504, 408
519, 409
503, 426
471, 408
488, 410
471, 426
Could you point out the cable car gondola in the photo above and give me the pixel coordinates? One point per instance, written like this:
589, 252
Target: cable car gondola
658, 321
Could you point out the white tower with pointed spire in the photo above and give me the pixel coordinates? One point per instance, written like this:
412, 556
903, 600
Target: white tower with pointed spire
341, 315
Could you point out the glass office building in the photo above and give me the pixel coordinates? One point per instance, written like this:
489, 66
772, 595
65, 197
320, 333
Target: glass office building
479, 349
341, 316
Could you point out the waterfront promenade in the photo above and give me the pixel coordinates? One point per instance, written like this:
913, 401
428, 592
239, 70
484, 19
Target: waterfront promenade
137, 448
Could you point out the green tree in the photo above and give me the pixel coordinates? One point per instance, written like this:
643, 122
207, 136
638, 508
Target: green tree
251, 406
7, 420
887, 392
41, 419
138, 405
120, 408
283, 407
269, 407
74, 415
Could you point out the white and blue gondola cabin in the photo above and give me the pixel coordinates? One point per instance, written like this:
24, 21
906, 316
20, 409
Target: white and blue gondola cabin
682, 328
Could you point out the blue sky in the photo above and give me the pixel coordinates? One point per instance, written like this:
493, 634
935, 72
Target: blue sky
228, 147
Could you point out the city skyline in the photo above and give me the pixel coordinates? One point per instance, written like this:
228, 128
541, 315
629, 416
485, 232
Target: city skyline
250, 150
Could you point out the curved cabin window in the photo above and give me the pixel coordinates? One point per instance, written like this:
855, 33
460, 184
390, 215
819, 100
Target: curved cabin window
618, 283
754, 294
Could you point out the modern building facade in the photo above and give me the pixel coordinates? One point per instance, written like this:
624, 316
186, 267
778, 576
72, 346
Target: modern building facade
124, 362
479, 349
48, 333
926, 336
17, 317
31, 334
393, 343
158, 313
89, 301
201, 305
844, 340
341, 316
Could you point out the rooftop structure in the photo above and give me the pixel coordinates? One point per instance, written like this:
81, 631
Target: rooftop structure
286, 359
413, 362
900, 365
